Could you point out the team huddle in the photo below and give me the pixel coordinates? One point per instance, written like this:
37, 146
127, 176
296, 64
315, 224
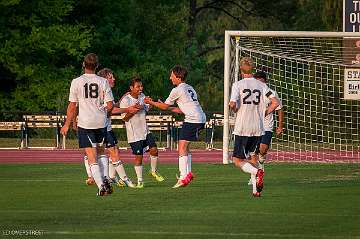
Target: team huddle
91, 102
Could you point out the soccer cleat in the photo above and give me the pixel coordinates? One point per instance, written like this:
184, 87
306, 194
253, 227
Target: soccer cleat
189, 177
127, 182
108, 187
157, 176
180, 183
259, 180
140, 184
101, 191
257, 194
90, 181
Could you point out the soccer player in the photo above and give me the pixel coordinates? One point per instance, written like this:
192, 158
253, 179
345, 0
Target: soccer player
115, 164
186, 98
249, 125
269, 123
93, 95
138, 134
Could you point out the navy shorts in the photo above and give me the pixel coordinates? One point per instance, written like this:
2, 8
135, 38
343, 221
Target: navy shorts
244, 145
90, 138
141, 146
266, 138
190, 131
111, 139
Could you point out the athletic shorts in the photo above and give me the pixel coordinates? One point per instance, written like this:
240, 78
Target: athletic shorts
190, 131
141, 146
245, 145
266, 138
111, 139
90, 138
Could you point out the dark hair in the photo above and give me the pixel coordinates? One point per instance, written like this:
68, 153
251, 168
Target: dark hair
180, 72
260, 75
91, 61
105, 72
134, 80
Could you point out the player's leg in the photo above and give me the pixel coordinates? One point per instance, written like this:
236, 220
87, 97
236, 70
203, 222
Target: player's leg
138, 150
87, 141
115, 164
189, 132
154, 158
264, 147
90, 179
240, 160
118, 166
103, 159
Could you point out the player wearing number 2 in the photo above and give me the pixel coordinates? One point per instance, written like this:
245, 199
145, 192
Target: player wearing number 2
249, 125
186, 98
93, 95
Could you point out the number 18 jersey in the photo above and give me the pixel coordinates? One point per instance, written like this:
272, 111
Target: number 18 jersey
91, 92
252, 96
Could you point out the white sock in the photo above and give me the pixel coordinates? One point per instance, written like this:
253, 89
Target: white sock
183, 161
248, 168
262, 159
253, 181
119, 167
139, 172
112, 172
87, 167
189, 161
95, 170
153, 163
103, 162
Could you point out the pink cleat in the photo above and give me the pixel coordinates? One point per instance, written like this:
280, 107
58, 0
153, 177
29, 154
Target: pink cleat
257, 195
259, 180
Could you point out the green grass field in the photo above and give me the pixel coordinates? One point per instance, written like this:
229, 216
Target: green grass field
298, 201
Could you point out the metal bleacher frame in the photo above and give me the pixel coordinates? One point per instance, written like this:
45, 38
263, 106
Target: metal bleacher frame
14, 126
44, 121
159, 123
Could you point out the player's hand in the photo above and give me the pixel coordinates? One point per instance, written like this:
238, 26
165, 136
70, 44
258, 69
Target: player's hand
148, 100
64, 130
133, 109
279, 131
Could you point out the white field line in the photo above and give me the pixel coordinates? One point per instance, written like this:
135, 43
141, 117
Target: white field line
179, 212
219, 234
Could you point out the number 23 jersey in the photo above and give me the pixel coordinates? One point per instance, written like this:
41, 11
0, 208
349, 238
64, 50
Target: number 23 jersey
186, 98
252, 96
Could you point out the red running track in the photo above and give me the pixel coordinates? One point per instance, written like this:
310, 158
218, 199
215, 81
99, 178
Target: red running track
205, 156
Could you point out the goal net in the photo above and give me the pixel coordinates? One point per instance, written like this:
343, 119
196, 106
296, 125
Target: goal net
306, 69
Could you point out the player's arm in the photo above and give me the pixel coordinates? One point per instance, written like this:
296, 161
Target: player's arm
158, 104
69, 117
280, 129
273, 105
235, 97
75, 120
175, 110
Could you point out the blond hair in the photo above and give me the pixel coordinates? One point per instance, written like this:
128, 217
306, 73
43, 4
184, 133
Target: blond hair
246, 65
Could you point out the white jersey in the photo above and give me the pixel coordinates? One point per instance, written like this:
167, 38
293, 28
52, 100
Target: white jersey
186, 98
269, 119
136, 127
252, 95
91, 92
108, 123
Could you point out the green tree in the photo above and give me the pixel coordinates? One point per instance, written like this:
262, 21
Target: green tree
40, 53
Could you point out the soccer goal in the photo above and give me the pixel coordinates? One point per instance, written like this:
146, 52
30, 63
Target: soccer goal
307, 71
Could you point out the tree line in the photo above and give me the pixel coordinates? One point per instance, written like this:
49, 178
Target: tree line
42, 42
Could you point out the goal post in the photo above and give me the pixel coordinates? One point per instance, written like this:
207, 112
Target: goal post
307, 71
